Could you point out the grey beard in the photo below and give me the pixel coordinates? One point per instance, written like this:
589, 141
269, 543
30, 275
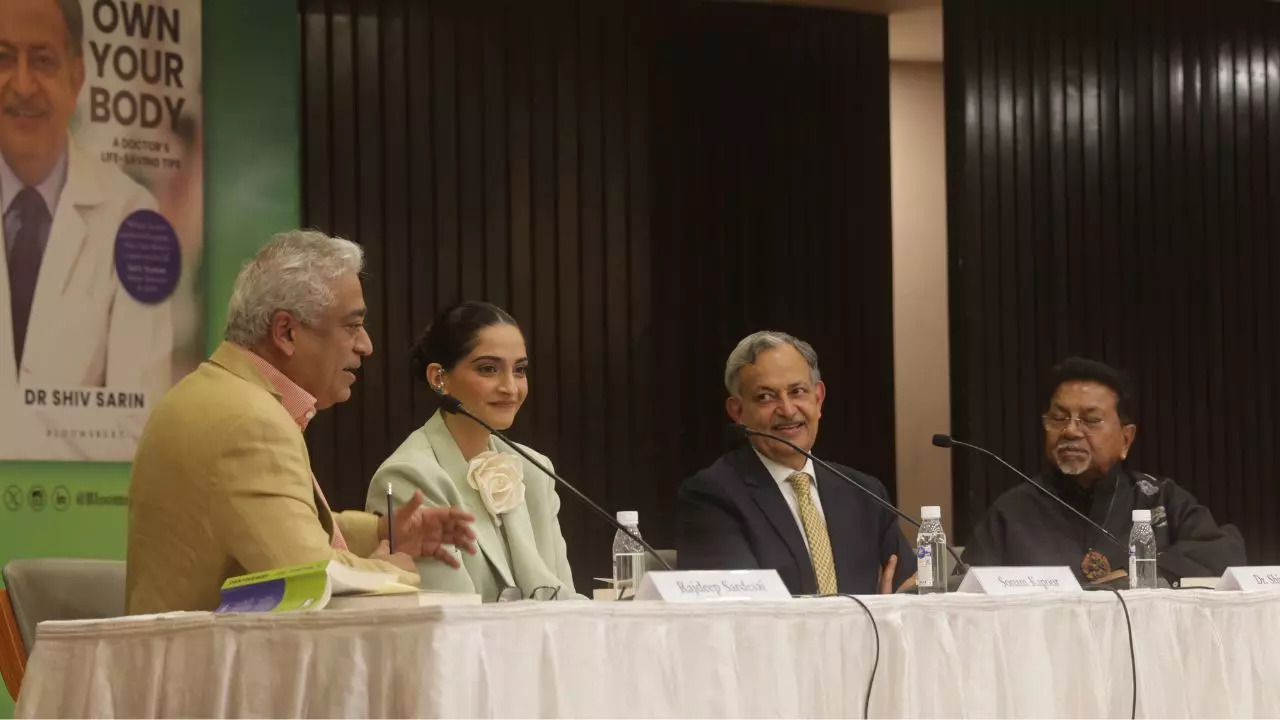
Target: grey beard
1073, 468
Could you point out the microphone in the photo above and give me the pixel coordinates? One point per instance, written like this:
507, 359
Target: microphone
946, 441
743, 430
452, 405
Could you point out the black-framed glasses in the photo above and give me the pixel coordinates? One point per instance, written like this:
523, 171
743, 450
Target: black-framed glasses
542, 592
1060, 423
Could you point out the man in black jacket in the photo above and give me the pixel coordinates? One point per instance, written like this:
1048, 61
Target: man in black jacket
765, 506
1090, 425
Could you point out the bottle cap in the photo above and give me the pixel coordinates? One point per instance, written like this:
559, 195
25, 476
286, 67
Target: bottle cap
629, 517
1142, 516
931, 512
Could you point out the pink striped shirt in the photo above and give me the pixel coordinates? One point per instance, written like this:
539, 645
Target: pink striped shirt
301, 406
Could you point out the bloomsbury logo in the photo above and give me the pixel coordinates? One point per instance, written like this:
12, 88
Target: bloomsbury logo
96, 499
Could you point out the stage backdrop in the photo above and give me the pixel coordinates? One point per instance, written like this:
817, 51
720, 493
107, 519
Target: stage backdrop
251, 132
115, 314
1114, 191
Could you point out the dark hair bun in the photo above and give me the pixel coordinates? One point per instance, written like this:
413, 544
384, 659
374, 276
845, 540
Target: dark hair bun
453, 335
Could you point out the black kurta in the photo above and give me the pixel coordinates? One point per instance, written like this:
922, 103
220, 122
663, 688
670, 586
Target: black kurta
1023, 527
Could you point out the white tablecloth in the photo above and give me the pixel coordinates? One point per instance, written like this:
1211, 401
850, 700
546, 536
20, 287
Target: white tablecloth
1199, 653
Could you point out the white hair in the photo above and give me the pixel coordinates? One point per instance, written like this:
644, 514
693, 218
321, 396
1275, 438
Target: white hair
752, 345
293, 272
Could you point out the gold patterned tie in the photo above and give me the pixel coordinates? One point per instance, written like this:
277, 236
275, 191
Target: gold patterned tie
815, 531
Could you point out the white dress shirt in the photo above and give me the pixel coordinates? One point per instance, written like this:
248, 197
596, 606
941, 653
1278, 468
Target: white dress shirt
50, 189
780, 473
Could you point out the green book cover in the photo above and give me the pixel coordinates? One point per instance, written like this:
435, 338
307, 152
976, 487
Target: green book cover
300, 587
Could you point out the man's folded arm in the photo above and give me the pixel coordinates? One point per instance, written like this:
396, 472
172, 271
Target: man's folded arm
264, 511
986, 546
1199, 546
360, 530
711, 536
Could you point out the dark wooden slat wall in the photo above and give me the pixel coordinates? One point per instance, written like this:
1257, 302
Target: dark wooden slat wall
640, 183
1113, 177
778, 165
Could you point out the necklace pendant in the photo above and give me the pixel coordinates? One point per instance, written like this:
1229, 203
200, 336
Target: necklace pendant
1095, 565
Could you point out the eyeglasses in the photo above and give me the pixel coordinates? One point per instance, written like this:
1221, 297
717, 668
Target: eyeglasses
542, 592
1060, 423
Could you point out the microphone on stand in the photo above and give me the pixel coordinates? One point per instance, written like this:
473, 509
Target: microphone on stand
743, 430
452, 405
946, 441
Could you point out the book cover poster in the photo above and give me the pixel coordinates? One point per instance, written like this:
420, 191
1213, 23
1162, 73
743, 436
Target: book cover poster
101, 183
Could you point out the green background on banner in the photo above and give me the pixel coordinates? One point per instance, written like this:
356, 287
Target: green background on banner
252, 189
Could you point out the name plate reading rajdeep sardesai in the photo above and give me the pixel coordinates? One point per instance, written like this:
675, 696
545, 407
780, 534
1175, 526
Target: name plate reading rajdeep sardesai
1019, 580
707, 585
1259, 577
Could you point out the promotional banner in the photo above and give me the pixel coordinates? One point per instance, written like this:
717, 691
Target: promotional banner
249, 130
101, 181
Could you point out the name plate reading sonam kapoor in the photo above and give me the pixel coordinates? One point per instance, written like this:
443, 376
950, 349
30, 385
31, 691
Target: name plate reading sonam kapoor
1019, 580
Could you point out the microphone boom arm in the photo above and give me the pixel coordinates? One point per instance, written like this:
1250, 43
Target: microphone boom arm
881, 501
949, 441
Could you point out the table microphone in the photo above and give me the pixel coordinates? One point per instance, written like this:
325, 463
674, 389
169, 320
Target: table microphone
452, 405
946, 441
743, 430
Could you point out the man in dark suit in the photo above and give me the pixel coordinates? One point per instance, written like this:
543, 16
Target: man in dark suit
764, 506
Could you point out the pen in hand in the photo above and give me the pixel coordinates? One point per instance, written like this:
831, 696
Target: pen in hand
391, 523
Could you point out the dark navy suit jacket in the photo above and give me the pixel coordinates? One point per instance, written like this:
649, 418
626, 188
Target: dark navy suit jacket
733, 516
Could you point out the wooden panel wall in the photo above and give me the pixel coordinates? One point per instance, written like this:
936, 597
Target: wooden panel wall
627, 181
775, 160
1114, 191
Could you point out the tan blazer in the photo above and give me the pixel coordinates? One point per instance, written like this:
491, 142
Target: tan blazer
527, 551
222, 486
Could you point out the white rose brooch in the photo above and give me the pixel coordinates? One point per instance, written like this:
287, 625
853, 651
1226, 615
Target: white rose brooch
499, 478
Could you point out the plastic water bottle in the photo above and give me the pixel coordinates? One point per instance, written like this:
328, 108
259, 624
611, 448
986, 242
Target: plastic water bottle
1142, 552
931, 552
628, 555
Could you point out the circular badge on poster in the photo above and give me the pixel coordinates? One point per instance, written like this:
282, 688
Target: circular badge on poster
148, 259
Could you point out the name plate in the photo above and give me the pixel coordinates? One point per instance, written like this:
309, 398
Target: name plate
706, 585
1019, 580
1258, 577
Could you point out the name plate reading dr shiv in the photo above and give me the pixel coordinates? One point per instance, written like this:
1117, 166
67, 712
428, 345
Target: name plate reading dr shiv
704, 585
1018, 580
1258, 577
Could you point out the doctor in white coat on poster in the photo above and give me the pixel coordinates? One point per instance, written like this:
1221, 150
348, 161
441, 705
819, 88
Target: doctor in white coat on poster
66, 320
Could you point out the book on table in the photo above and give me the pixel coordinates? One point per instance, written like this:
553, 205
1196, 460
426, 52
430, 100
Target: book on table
320, 585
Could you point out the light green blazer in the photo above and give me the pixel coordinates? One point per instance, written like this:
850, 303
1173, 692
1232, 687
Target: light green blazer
533, 554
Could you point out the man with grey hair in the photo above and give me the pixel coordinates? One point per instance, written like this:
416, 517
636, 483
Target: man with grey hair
222, 484
79, 325
765, 506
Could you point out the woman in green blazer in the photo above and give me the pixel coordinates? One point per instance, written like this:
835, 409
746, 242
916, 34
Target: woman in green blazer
475, 352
